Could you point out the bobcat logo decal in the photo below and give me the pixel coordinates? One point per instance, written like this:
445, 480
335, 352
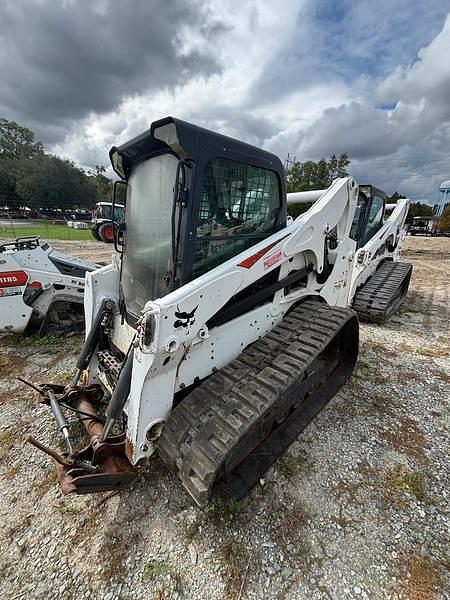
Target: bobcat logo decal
184, 319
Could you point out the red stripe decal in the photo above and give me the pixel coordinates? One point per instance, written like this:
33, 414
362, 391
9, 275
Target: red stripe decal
251, 260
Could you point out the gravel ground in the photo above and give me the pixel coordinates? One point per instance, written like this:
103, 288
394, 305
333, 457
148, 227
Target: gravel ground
357, 508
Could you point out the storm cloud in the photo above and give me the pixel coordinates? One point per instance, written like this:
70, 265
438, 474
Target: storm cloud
308, 77
62, 60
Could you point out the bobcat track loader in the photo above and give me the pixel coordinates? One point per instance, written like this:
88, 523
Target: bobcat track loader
40, 289
220, 331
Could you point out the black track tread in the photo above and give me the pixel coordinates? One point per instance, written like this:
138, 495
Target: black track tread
381, 296
205, 427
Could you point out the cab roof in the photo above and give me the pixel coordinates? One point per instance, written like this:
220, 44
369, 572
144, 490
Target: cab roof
187, 141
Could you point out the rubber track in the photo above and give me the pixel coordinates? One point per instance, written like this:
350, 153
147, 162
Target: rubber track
381, 296
267, 383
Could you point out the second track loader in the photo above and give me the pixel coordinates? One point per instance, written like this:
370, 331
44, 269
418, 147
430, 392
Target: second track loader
220, 330
41, 290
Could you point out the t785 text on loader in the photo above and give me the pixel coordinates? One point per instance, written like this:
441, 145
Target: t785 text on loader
220, 331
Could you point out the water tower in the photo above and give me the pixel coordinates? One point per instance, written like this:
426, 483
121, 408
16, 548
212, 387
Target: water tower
444, 198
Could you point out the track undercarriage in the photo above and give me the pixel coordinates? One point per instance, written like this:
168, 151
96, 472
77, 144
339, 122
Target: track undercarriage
222, 438
380, 297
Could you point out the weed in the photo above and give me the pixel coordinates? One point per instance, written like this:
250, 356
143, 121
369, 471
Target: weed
164, 575
11, 472
407, 438
46, 483
364, 364
288, 526
435, 351
64, 377
6, 442
11, 365
288, 466
113, 551
4, 570
383, 404
217, 513
342, 520
221, 512
400, 479
404, 376
423, 580
234, 559
193, 528
155, 569
348, 490
47, 340
379, 347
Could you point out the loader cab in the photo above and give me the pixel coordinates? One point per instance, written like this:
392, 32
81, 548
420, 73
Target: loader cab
369, 214
194, 200
103, 212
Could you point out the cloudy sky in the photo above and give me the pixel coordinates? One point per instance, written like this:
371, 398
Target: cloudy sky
308, 77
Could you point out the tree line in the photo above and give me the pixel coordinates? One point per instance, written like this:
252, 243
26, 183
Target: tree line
310, 175
31, 177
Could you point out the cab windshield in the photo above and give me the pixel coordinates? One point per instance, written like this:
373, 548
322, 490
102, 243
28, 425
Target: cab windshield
104, 212
148, 234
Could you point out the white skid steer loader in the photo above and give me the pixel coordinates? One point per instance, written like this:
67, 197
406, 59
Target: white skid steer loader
40, 289
220, 331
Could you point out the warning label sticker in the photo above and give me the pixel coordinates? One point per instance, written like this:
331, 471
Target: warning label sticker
272, 259
11, 291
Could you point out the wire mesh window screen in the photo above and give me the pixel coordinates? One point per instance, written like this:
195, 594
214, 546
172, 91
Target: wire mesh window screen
238, 206
238, 197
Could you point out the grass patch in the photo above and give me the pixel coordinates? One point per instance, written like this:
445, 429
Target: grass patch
164, 575
423, 582
47, 340
288, 526
155, 569
288, 466
217, 513
11, 472
46, 231
64, 377
11, 365
348, 491
412, 483
48, 481
113, 552
383, 404
221, 513
408, 439
90, 516
6, 442
234, 559
434, 352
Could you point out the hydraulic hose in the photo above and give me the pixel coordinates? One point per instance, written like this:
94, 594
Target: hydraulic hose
91, 340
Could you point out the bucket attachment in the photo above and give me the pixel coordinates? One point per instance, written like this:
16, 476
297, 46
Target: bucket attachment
102, 465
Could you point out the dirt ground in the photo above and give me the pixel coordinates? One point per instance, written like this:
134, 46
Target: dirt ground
357, 508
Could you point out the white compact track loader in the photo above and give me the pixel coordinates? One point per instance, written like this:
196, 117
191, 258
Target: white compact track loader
40, 289
220, 330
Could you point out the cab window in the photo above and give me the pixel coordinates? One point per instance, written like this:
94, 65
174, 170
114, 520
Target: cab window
239, 204
360, 210
375, 218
